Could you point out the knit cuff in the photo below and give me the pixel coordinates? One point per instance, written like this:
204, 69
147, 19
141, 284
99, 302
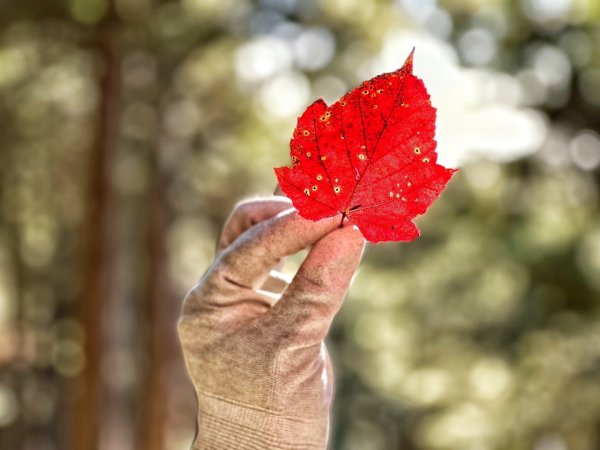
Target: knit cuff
223, 425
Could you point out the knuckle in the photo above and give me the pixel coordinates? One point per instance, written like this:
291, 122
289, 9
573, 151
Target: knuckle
243, 210
315, 279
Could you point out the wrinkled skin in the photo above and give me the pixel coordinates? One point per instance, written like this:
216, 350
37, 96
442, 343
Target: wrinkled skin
253, 341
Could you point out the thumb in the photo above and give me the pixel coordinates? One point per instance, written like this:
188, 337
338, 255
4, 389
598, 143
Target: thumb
315, 295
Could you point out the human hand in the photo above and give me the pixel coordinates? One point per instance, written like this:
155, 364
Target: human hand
258, 363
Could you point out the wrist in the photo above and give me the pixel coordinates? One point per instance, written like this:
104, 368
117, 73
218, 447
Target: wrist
225, 425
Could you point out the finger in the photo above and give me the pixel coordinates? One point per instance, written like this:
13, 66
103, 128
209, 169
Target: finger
202, 304
248, 261
278, 192
309, 304
277, 282
247, 214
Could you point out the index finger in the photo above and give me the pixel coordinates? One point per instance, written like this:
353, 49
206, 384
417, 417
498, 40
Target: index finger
249, 259
247, 214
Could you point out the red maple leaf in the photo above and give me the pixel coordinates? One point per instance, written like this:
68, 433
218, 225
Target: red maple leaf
370, 156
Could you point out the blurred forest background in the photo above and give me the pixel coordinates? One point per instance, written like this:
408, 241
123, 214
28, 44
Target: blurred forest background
130, 128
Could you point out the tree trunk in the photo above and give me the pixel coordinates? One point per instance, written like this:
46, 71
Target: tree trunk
84, 405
